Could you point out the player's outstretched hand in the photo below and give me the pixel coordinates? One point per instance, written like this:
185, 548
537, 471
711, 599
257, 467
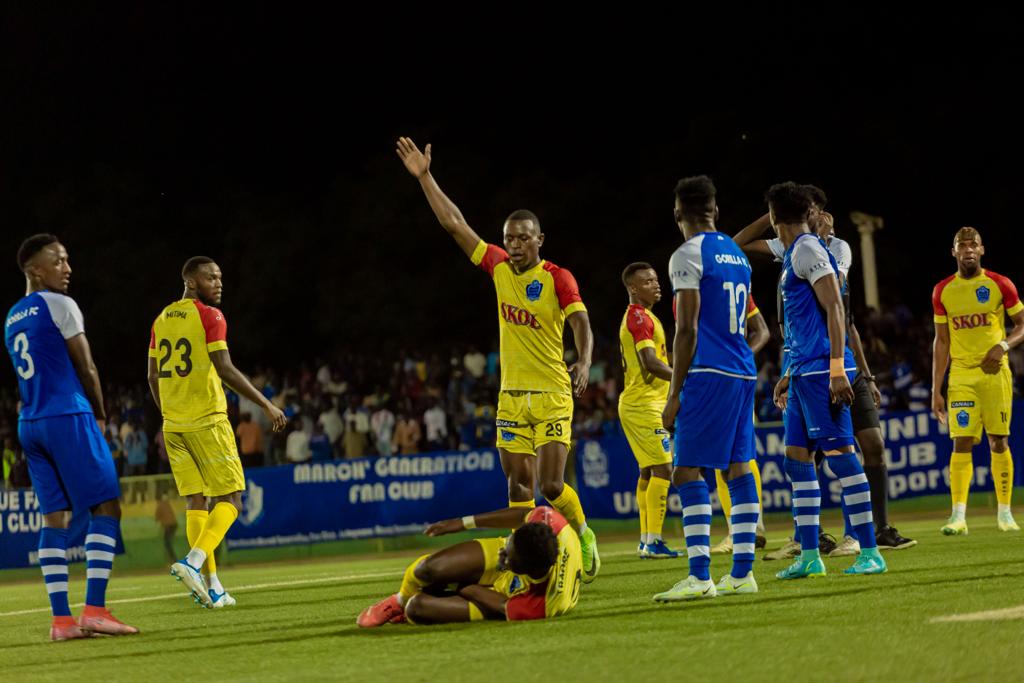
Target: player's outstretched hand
840, 390
993, 360
668, 415
580, 374
781, 395
416, 162
276, 416
939, 407
448, 526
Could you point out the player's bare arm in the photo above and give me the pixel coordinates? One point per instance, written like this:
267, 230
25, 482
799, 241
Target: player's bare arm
749, 238
683, 347
862, 363
240, 384
994, 358
506, 518
757, 333
654, 365
826, 289
153, 376
448, 214
88, 375
583, 337
940, 362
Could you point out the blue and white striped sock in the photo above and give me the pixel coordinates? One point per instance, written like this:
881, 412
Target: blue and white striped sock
856, 496
744, 515
806, 501
697, 527
53, 560
100, 544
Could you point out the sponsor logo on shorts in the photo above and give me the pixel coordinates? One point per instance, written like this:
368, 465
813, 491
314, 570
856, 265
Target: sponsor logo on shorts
963, 418
507, 435
983, 294
962, 404
666, 444
506, 423
533, 290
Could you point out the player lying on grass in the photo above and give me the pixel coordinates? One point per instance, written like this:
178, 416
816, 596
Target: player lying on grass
532, 574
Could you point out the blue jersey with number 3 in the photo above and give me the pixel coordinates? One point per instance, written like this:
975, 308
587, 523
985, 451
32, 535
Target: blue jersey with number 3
712, 263
36, 333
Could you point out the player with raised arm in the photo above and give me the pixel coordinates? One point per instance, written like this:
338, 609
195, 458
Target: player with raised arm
61, 431
188, 363
970, 309
535, 300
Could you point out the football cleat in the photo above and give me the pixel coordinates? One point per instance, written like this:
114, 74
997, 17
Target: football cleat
729, 585
690, 588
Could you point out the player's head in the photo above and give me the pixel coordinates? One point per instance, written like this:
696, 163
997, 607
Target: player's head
695, 207
523, 238
531, 550
788, 204
44, 260
968, 249
641, 282
203, 279
819, 220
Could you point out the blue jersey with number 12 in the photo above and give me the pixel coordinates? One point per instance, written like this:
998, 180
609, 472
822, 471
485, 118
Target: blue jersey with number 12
712, 263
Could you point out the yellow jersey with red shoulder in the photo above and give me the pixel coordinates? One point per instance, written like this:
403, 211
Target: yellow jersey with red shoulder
559, 591
181, 340
641, 329
975, 310
532, 308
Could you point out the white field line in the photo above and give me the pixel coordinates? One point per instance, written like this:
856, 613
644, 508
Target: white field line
254, 586
987, 615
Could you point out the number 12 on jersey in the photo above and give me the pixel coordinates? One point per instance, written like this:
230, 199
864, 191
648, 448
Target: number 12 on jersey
737, 307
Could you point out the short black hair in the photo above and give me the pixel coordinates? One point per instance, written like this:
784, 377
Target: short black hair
632, 268
32, 246
817, 195
536, 548
524, 215
790, 202
696, 196
192, 265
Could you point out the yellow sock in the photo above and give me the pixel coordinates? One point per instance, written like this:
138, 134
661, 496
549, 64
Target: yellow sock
756, 471
522, 504
569, 505
961, 468
195, 520
657, 495
641, 502
1002, 472
220, 520
723, 494
474, 613
410, 584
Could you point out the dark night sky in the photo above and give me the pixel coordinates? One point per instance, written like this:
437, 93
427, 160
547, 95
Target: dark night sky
142, 136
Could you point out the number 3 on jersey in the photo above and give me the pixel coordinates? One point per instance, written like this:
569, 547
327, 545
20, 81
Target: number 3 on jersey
21, 348
185, 348
737, 307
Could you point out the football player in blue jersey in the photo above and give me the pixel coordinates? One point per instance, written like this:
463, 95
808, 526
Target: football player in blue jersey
61, 431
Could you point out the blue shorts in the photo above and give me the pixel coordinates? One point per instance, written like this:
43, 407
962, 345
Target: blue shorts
69, 462
715, 424
812, 420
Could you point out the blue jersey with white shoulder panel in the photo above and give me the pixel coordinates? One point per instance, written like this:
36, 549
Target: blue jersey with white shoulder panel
805, 324
712, 263
35, 333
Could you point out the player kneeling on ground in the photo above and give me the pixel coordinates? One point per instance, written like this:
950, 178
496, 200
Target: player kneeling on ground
532, 574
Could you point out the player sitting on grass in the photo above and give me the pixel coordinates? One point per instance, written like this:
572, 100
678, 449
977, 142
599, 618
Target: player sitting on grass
532, 574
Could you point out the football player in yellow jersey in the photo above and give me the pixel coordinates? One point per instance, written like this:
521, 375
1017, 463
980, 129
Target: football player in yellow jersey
535, 300
188, 361
646, 376
970, 308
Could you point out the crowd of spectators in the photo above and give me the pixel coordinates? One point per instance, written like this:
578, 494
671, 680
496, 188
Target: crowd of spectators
357, 405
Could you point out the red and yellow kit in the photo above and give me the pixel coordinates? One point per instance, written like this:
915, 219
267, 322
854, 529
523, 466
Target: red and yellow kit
200, 443
975, 311
643, 396
529, 598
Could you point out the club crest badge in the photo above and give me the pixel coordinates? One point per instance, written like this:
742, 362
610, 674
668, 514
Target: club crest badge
963, 418
533, 290
983, 294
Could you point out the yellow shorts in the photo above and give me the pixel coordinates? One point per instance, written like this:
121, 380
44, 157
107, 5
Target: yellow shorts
650, 442
205, 461
500, 580
978, 400
527, 420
